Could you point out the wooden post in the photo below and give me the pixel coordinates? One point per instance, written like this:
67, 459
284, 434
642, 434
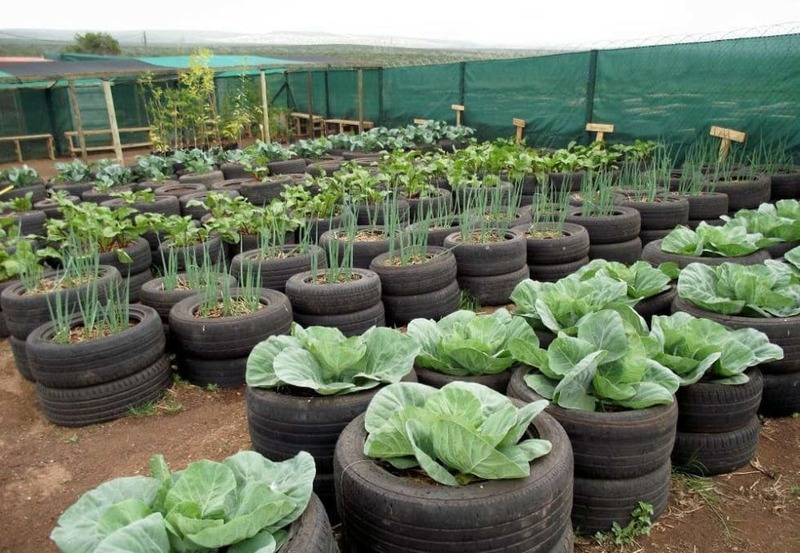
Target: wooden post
726, 135
360, 101
600, 129
310, 93
421, 121
458, 108
112, 120
520, 124
76, 118
265, 106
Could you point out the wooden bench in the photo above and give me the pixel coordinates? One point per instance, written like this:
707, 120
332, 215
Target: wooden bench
301, 124
75, 149
342, 125
17, 139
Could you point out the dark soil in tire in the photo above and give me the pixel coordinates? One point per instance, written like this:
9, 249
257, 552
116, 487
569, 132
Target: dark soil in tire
493, 290
275, 271
660, 215
572, 245
437, 272
439, 201
104, 402
153, 294
653, 254
709, 407
627, 252
475, 259
707, 454
310, 298
401, 310
625, 224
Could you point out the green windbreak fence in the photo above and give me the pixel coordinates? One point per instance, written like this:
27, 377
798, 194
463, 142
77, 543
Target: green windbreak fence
672, 93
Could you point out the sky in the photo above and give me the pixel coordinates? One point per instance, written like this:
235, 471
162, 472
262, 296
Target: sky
531, 23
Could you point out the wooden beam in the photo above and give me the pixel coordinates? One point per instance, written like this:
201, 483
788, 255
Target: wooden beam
360, 101
458, 108
727, 135
264, 107
76, 119
112, 121
600, 129
520, 125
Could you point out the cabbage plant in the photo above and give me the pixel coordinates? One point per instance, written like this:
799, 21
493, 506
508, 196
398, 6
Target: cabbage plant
642, 279
780, 220
610, 361
468, 344
243, 504
771, 289
730, 240
455, 434
697, 348
558, 306
324, 360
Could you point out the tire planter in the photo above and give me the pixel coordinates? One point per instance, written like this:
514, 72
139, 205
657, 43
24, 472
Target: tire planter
97, 196
369, 243
37, 191
17, 347
287, 166
553, 273
275, 271
189, 254
384, 512
198, 211
627, 252
50, 207
401, 310
437, 233
745, 193
621, 457
73, 188
655, 256
153, 295
463, 196
707, 454
228, 337
282, 423
104, 402
234, 171
28, 222
498, 382
436, 202
708, 407
225, 373
164, 204
180, 189
660, 304
785, 184
311, 533
4, 332
707, 206
551, 259
96, 361
261, 193
493, 290
612, 237
375, 214
781, 394
207, 179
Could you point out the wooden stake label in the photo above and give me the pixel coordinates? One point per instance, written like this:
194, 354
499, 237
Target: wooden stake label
458, 108
520, 125
600, 129
727, 135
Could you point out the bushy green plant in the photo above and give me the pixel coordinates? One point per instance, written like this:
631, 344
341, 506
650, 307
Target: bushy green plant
74, 171
730, 240
456, 434
20, 176
643, 280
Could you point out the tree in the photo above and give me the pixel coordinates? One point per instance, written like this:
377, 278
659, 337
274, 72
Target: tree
95, 43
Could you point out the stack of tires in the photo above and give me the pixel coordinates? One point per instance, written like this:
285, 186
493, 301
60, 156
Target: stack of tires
613, 237
137, 272
275, 271
718, 427
214, 349
489, 272
101, 379
621, 458
551, 259
659, 217
352, 306
427, 290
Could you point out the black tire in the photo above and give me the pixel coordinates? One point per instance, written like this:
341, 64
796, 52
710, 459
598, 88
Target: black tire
624, 225
104, 402
653, 254
179, 189
50, 207
493, 290
707, 454
153, 295
781, 396
464, 195
19, 353
659, 304
350, 324
437, 234
777, 251
234, 171
166, 205
364, 251
420, 278
276, 271
139, 252
572, 246
187, 254
310, 298
709, 407
322, 168
287, 166
198, 211
565, 181
707, 205
498, 382
488, 259
615, 444
28, 222
661, 215
262, 193
784, 332
25, 312
311, 533
135, 283
96, 361
206, 179
73, 188
553, 273
401, 310
37, 191
439, 201
96, 196
225, 373
627, 252
746, 194
228, 337
374, 214
545, 337
648, 236
785, 186
384, 512
599, 503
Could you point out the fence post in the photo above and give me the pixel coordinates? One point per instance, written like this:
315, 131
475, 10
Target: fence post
264, 106
591, 81
112, 120
327, 94
381, 114
76, 117
462, 81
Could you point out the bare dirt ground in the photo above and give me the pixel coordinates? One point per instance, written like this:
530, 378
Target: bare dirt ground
45, 468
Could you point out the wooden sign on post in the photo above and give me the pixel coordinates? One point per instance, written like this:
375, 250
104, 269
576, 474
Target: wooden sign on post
726, 135
458, 108
421, 121
600, 129
520, 124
